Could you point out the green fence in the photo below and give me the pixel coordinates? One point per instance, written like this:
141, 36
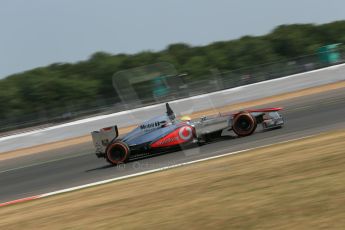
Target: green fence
161, 82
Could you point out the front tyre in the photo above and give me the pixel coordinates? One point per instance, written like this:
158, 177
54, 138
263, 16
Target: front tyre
244, 124
117, 153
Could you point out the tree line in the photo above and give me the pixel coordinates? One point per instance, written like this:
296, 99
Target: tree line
61, 87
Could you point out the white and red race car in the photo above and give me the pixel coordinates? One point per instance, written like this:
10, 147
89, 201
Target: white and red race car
166, 133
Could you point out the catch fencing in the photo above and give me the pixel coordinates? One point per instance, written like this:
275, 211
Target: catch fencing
166, 85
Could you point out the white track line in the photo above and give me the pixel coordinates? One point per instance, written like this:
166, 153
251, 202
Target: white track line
143, 173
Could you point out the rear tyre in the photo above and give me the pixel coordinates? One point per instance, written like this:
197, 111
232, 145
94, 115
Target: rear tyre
244, 124
117, 153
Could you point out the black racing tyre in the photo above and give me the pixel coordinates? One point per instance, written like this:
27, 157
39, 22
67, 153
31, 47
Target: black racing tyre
117, 153
244, 124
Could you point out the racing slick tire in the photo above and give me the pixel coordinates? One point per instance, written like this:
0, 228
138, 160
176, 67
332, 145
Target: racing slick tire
244, 124
117, 152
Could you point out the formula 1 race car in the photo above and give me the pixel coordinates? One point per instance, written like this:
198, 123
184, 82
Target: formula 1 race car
167, 133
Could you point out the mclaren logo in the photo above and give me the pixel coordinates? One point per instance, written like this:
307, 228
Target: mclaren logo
152, 125
185, 133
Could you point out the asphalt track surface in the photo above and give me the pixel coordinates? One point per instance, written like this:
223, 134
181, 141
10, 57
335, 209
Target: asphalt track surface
77, 165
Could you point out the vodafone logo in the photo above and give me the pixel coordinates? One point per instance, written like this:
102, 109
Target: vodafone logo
178, 136
185, 133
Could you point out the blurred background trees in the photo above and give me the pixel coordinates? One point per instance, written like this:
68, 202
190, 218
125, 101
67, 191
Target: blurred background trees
59, 87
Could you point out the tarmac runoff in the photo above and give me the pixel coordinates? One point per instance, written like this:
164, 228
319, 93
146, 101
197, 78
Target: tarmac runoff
239, 106
138, 174
253, 187
306, 116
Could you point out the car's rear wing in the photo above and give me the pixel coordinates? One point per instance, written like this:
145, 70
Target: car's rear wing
102, 138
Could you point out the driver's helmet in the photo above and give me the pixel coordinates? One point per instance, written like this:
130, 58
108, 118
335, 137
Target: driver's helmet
186, 119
